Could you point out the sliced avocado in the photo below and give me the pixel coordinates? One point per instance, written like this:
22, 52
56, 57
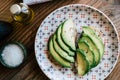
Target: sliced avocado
61, 52
55, 55
83, 45
69, 33
61, 43
82, 62
94, 48
87, 31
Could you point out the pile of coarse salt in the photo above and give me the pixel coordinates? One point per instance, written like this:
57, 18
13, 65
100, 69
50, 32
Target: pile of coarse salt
12, 55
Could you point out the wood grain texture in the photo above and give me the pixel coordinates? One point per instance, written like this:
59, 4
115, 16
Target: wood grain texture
30, 70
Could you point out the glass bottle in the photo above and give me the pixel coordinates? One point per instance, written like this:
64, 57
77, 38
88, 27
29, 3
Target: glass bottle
21, 13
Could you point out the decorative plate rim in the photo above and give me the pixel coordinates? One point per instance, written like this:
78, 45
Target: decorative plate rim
116, 32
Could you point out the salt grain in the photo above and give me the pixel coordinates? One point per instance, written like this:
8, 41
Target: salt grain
12, 55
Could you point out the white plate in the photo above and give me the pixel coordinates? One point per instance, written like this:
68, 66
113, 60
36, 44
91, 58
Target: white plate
82, 15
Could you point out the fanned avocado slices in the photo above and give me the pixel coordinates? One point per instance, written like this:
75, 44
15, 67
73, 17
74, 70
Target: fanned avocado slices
55, 55
89, 32
69, 33
61, 43
60, 51
87, 53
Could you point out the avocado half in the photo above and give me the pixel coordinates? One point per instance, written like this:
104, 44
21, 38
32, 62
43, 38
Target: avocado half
5, 29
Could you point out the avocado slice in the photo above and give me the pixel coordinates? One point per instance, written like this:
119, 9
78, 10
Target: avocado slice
61, 43
69, 33
94, 49
82, 62
55, 55
83, 45
61, 52
87, 31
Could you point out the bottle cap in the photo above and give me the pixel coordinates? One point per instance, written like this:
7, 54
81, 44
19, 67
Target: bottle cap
15, 9
25, 5
24, 8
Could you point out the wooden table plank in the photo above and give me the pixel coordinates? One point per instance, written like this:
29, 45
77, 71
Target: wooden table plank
30, 70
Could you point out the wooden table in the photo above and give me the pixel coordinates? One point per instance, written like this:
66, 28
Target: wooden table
30, 70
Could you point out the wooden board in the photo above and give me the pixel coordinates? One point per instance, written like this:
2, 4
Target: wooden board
30, 70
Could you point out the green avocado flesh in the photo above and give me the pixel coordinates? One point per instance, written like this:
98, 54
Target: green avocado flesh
62, 44
61, 52
83, 45
55, 55
87, 31
82, 62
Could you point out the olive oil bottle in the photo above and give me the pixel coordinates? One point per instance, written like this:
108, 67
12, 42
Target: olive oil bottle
21, 13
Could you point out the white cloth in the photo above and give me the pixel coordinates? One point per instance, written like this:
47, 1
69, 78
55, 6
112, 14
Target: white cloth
30, 2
